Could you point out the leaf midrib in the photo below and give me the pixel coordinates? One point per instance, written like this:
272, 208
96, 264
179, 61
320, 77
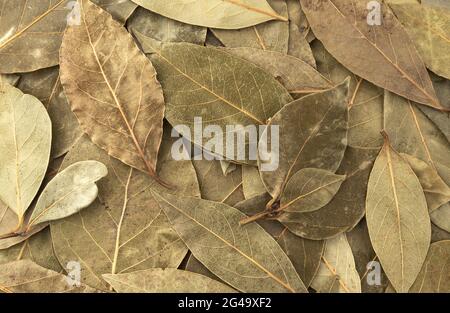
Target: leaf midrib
261, 267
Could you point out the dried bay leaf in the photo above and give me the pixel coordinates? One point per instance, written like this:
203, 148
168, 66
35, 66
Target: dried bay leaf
252, 184
112, 89
46, 86
195, 266
438, 234
68, 192
297, 17
226, 14
252, 98
441, 217
435, 274
304, 254
11, 79
298, 46
314, 132
296, 75
211, 230
411, 132
272, 36
346, 209
25, 276
164, 29
38, 249
165, 280
125, 230
337, 272
387, 48
119, 9
441, 119
437, 192
429, 28
397, 218
227, 167
215, 186
25, 148
309, 189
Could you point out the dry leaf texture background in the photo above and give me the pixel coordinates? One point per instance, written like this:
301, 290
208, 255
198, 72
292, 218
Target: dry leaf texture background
122, 124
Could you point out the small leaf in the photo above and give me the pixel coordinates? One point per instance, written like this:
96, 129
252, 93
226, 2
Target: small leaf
435, 273
310, 189
226, 14
245, 257
437, 192
397, 218
25, 148
70, 191
165, 280
112, 89
25, 277
337, 272
441, 217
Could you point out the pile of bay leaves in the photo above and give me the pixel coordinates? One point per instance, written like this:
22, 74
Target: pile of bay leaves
94, 199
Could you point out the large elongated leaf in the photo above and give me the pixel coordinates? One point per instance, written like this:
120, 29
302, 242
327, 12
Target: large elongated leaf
390, 61
411, 132
245, 257
226, 14
70, 191
26, 276
125, 230
429, 28
310, 189
24, 148
272, 36
165, 280
435, 273
314, 134
112, 89
212, 84
397, 218
337, 271
295, 74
